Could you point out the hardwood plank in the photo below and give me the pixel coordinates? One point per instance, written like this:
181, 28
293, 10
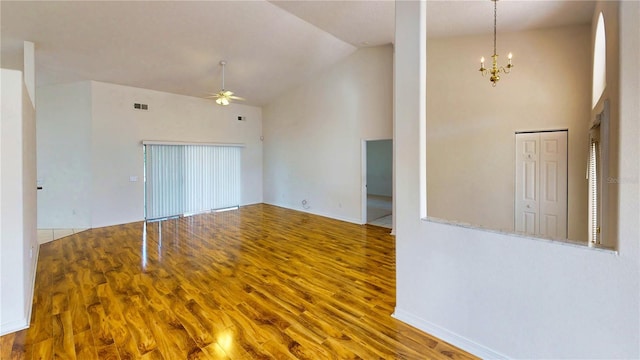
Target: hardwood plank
154, 354
43, 350
6, 345
170, 334
59, 302
115, 323
84, 345
165, 344
98, 320
189, 321
214, 321
261, 282
78, 311
349, 348
63, 340
20, 349
41, 324
214, 351
313, 328
107, 352
225, 341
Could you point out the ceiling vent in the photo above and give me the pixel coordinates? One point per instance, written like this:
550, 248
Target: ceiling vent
138, 106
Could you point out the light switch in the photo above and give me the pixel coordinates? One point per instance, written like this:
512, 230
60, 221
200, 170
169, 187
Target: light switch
133, 178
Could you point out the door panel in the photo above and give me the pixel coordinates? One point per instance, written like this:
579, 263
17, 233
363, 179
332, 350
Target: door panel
549, 226
553, 184
526, 199
530, 180
530, 222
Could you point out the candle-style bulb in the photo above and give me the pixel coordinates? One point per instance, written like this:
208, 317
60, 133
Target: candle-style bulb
510, 56
482, 59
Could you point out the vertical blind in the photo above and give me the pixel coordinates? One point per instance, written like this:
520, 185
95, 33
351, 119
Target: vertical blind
594, 187
189, 179
597, 173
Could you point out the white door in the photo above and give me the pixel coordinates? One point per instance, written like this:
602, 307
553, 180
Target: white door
541, 184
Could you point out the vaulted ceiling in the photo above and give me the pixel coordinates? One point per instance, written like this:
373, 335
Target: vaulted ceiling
270, 46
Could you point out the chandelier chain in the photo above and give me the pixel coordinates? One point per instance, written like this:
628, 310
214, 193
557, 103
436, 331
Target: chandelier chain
495, 22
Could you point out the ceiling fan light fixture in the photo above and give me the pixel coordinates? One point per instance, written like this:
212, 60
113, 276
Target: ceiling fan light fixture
224, 97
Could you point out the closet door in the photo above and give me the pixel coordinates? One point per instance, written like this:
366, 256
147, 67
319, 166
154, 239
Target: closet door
541, 184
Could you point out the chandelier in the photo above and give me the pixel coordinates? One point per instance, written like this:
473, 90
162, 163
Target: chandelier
495, 70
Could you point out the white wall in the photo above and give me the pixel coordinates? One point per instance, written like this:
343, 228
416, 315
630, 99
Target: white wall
471, 127
113, 131
501, 295
313, 135
18, 240
380, 167
64, 156
610, 10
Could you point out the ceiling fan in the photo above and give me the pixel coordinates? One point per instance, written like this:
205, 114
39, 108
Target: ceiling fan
224, 97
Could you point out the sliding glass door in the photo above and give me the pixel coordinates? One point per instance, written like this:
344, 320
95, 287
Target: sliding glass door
190, 179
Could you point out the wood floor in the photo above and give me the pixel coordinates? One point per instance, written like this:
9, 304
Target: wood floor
261, 282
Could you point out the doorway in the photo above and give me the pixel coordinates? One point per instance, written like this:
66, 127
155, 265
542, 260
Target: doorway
541, 184
377, 182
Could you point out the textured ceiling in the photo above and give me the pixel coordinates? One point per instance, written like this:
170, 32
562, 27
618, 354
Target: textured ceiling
360, 23
175, 46
458, 18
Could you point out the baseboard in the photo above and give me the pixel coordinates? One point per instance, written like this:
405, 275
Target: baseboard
331, 216
21, 324
40, 242
13, 326
33, 284
52, 236
448, 336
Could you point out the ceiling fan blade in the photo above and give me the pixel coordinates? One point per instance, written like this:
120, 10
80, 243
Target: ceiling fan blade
237, 98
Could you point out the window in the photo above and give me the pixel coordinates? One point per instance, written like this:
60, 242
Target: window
599, 62
597, 170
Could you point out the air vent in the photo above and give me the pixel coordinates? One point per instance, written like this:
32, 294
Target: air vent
139, 106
